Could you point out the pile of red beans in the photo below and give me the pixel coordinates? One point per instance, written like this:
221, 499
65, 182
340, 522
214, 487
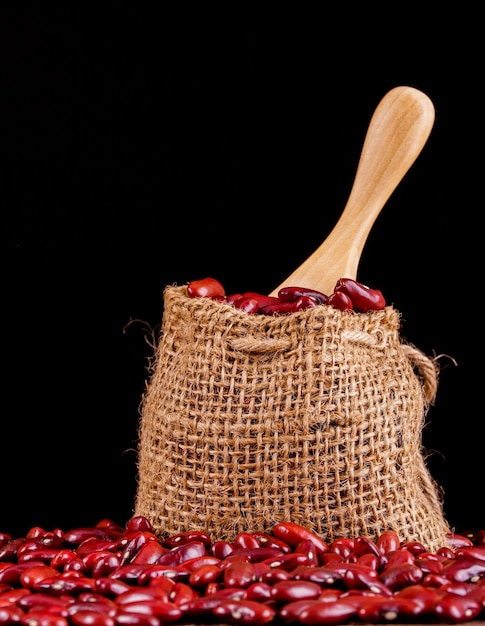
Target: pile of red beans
348, 294
108, 575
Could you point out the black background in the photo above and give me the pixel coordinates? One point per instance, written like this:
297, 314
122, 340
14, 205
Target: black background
141, 149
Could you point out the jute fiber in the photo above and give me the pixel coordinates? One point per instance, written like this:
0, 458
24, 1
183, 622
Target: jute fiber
314, 417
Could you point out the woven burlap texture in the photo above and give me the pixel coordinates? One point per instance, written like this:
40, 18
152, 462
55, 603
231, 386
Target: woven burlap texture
314, 417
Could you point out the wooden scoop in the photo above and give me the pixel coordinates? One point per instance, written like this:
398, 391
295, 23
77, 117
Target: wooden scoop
397, 132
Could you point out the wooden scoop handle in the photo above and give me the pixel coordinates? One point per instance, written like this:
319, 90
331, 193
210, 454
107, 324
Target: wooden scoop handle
397, 132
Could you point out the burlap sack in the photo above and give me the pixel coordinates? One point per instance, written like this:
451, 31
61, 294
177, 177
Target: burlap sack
314, 417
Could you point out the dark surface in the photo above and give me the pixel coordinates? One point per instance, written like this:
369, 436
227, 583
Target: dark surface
140, 150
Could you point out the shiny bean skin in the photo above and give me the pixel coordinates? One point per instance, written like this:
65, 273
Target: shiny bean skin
187, 537
324, 576
401, 575
318, 613
182, 553
290, 590
33, 575
164, 611
204, 575
43, 618
88, 618
466, 569
239, 574
244, 611
293, 534
388, 541
379, 609
453, 608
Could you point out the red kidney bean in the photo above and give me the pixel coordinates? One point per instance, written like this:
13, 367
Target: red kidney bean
355, 576
220, 549
288, 562
107, 564
369, 560
136, 543
32, 575
193, 564
129, 618
62, 558
239, 574
61, 584
166, 612
95, 597
11, 575
5, 538
399, 557
131, 572
253, 555
323, 575
317, 613
76, 565
332, 557
112, 527
452, 608
40, 543
76, 536
292, 534
233, 298
290, 590
204, 575
340, 301
244, 540
429, 566
182, 553
267, 540
458, 541
305, 302
307, 548
205, 288
10, 614
464, 570
290, 611
279, 308
292, 294
154, 572
446, 552
87, 618
8, 551
434, 581
415, 547
259, 591
98, 606
138, 594
270, 575
363, 298
182, 593
364, 545
92, 558
378, 609
94, 544
343, 546
45, 555
43, 618
401, 575
12, 596
474, 552
424, 597
110, 587
261, 299
388, 541
244, 611
187, 536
